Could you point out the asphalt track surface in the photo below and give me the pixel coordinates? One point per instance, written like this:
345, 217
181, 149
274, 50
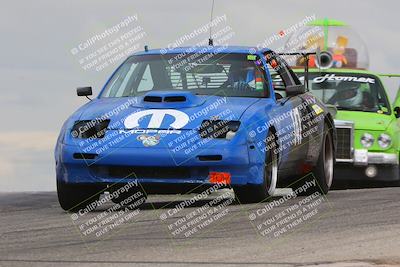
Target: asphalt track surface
357, 227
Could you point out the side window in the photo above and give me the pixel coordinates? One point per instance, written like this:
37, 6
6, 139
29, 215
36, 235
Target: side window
127, 79
119, 85
281, 75
146, 83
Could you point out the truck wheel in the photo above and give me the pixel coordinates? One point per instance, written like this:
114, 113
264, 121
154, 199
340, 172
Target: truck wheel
74, 197
258, 193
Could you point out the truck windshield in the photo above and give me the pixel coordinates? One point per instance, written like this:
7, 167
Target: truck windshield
203, 74
349, 91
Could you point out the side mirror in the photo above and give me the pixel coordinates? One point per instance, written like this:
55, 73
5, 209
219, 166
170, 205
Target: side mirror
396, 111
294, 90
84, 91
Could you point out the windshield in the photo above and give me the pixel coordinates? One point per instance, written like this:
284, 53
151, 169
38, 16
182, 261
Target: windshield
208, 74
349, 91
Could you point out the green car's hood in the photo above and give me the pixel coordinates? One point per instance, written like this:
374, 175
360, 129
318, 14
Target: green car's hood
365, 120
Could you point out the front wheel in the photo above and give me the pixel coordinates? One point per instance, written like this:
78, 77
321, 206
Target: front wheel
258, 193
74, 197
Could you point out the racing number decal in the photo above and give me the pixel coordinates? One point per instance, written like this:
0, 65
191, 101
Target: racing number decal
296, 118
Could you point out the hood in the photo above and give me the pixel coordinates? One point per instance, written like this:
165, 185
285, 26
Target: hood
165, 110
365, 120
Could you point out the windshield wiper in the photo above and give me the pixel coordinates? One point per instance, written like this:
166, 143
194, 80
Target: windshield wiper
353, 109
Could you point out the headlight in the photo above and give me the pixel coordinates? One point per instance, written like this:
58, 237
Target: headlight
219, 129
384, 140
367, 140
89, 129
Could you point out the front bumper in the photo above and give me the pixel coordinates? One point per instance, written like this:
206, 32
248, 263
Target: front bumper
369, 165
382, 172
363, 157
360, 164
158, 166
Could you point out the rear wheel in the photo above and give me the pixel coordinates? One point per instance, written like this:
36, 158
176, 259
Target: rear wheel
258, 193
323, 171
74, 197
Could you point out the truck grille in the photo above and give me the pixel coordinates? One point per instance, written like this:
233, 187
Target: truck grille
345, 136
344, 141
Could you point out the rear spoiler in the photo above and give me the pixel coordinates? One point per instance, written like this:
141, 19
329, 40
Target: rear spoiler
306, 56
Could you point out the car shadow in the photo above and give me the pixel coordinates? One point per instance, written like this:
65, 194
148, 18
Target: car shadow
160, 205
359, 184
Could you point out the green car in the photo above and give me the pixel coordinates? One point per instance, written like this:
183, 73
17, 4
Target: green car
367, 124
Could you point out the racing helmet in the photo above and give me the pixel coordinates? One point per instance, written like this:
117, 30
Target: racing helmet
349, 94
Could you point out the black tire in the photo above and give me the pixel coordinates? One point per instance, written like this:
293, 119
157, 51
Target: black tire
74, 197
258, 193
322, 173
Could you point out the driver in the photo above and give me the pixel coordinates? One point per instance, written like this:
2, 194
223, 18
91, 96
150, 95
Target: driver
348, 95
240, 76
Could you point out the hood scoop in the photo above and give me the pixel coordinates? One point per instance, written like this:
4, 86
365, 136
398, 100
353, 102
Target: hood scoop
170, 99
153, 99
178, 98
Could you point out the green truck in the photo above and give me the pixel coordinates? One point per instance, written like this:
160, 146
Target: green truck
367, 124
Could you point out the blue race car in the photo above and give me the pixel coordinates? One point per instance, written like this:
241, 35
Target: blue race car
189, 118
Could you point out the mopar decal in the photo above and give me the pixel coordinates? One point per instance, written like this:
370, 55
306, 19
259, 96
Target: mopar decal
157, 117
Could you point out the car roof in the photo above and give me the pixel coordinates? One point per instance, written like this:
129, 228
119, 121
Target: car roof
201, 49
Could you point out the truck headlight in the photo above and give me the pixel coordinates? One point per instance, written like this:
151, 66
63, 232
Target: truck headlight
384, 140
367, 140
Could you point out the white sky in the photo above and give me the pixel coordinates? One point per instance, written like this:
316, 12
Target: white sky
39, 74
